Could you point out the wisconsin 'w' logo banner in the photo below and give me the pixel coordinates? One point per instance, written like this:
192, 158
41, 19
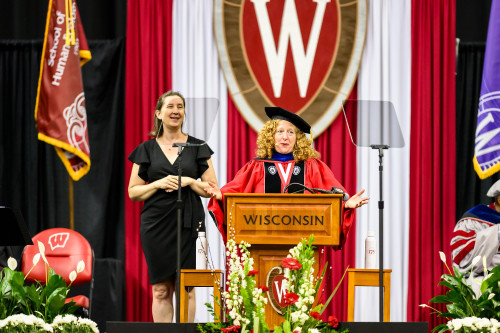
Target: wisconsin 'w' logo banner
299, 55
60, 106
487, 152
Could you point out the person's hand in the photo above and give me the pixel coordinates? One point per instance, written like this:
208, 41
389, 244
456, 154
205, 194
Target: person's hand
356, 200
168, 183
214, 191
186, 181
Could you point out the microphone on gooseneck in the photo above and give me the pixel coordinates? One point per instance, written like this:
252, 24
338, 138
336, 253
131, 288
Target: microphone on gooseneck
338, 190
188, 144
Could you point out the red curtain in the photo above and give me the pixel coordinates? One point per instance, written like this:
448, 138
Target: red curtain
147, 76
339, 154
432, 150
241, 140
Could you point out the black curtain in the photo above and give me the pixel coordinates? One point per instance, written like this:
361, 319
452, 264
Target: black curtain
32, 177
25, 19
470, 189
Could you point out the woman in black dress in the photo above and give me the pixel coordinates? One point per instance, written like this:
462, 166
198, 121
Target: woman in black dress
154, 180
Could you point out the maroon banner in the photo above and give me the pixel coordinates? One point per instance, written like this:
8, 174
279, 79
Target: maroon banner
60, 106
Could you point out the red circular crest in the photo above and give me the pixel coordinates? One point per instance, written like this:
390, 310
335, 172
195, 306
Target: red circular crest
299, 55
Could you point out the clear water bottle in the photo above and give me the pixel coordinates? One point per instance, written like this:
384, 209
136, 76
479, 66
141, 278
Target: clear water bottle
201, 250
370, 251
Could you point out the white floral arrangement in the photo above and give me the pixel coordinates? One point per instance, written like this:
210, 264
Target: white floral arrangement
20, 323
474, 324
71, 323
303, 283
244, 302
469, 310
36, 308
24, 323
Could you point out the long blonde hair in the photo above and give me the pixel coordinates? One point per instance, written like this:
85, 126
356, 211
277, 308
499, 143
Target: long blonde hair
157, 123
302, 150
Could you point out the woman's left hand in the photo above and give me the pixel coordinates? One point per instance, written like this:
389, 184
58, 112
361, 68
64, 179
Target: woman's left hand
172, 182
356, 200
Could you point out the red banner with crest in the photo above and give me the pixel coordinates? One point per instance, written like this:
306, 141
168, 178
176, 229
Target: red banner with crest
60, 113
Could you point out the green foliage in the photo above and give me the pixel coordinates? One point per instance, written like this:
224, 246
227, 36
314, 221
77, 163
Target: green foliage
461, 300
301, 285
45, 302
305, 285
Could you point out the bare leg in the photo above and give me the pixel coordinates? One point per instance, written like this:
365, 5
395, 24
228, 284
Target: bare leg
163, 311
191, 305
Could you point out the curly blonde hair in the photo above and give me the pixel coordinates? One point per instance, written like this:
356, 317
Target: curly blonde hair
302, 150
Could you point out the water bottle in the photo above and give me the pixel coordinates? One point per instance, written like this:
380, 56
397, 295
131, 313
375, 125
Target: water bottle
201, 248
370, 251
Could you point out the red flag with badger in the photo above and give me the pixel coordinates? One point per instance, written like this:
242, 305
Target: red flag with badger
60, 111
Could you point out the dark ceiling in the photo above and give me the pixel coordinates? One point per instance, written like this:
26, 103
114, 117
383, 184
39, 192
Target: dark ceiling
106, 19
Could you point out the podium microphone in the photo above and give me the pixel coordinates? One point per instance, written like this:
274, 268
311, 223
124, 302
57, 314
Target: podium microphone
338, 190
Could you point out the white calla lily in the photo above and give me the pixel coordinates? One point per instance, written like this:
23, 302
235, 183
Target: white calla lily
476, 260
80, 267
442, 256
44, 259
41, 247
72, 276
36, 259
12, 263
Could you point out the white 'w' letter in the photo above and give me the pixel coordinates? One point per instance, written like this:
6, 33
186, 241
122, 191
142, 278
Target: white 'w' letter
280, 290
290, 30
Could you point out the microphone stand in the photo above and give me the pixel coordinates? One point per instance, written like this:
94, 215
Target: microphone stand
179, 232
179, 227
380, 149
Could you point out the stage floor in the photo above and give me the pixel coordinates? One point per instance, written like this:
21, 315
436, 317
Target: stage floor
358, 327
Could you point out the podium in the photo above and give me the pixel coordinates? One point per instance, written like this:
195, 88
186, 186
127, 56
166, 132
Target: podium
273, 224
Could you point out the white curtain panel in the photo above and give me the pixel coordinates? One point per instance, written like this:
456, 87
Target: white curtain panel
385, 76
196, 74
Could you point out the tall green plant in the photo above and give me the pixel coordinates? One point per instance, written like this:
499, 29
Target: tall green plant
461, 300
43, 301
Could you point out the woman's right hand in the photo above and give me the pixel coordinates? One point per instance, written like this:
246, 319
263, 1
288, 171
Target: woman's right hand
214, 191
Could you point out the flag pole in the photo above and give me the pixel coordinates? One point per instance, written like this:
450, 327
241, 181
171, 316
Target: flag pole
71, 211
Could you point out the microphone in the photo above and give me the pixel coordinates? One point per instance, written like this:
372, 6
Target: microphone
338, 190
188, 144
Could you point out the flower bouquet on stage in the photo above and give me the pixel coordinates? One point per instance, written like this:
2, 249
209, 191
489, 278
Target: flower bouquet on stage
472, 303
244, 302
39, 308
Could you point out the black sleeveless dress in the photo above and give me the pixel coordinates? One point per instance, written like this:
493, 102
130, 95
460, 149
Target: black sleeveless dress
159, 214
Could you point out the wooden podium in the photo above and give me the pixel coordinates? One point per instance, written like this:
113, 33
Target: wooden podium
273, 224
